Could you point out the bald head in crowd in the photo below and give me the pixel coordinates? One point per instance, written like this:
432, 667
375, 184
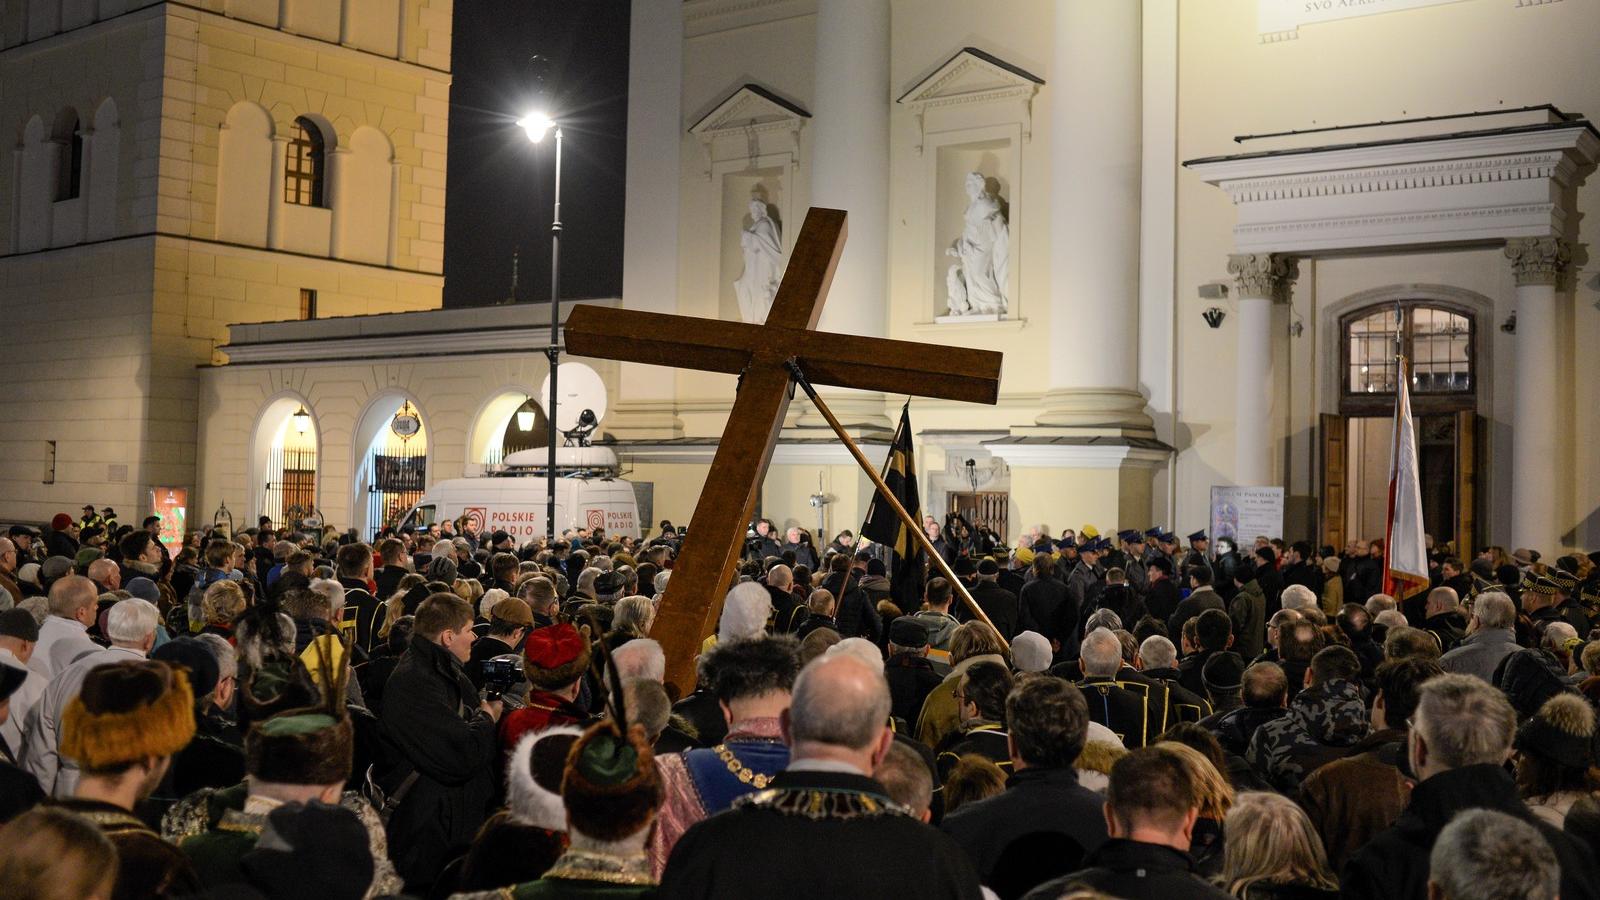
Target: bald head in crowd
105, 573
1264, 686
781, 577
839, 712
73, 597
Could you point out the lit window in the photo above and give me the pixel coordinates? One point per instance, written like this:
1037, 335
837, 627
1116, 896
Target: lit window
1436, 342
302, 168
308, 303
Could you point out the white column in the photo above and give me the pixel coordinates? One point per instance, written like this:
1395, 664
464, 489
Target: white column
650, 222
1095, 119
850, 171
1539, 264
1263, 279
850, 162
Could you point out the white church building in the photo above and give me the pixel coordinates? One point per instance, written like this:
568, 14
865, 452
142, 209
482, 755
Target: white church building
1200, 232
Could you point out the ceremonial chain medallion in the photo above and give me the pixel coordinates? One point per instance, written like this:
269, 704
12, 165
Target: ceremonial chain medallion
739, 770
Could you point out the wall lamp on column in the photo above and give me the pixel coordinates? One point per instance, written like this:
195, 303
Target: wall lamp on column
1214, 316
1509, 326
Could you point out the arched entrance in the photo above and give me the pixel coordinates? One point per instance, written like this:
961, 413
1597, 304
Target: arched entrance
1441, 341
391, 461
284, 463
511, 420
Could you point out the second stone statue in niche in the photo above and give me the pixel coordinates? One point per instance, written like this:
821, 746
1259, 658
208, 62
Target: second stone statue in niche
977, 284
762, 244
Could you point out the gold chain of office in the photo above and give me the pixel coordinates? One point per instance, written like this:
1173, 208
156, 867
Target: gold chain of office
739, 770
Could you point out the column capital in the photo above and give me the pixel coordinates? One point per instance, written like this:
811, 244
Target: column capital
1264, 275
1540, 260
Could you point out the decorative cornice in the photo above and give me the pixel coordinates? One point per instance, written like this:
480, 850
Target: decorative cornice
1405, 190
1538, 260
971, 77
1445, 173
1264, 275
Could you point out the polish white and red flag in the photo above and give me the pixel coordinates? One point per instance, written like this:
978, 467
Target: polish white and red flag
1405, 548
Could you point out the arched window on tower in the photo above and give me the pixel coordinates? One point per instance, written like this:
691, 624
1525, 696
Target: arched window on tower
304, 165
68, 138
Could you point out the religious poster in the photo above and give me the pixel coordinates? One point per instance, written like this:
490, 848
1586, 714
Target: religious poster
172, 505
1243, 513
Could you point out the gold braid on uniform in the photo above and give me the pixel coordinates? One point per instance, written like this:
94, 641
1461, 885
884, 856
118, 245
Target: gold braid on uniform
588, 865
818, 804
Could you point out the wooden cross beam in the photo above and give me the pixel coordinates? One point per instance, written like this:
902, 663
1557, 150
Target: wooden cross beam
760, 354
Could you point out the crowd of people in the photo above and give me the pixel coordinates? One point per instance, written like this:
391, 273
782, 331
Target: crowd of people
439, 713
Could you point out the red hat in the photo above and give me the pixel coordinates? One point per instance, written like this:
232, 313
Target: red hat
60, 521
556, 654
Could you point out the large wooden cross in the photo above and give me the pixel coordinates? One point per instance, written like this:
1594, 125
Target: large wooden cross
759, 354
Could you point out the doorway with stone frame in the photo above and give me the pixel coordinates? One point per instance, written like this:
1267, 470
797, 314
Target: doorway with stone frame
1440, 342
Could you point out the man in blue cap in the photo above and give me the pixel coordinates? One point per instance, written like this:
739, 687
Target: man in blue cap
1196, 555
1130, 558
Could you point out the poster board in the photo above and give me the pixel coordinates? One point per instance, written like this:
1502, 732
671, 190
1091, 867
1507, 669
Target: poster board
1242, 513
172, 505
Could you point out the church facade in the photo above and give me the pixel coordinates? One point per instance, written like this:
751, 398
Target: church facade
1200, 233
1210, 227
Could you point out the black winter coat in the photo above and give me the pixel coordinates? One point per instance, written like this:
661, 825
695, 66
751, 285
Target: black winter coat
1045, 604
1394, 864
441, 733
1036, 803
1134, 870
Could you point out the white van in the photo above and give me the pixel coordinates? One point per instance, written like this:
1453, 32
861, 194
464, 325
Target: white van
588, 495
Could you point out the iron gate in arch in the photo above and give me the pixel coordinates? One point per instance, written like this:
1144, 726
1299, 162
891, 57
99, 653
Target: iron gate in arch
291, 484
399, 477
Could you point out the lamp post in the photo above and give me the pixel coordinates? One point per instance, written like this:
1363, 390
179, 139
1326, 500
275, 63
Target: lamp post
537, 125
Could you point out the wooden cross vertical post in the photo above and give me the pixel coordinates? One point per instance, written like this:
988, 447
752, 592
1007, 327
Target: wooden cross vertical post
760, 356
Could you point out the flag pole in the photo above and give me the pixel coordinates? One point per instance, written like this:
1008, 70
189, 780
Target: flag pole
911, 524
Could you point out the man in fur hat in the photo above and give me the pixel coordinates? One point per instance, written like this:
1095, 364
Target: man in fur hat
611, 791
122, 730
521, 842
555, 660
293, 757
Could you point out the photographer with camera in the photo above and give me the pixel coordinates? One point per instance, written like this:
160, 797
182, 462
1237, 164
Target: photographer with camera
439, 745
509, 622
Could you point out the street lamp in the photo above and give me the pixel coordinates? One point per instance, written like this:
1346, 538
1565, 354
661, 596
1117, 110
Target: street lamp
537, 125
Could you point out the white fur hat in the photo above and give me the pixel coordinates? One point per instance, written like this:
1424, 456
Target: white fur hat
534, 797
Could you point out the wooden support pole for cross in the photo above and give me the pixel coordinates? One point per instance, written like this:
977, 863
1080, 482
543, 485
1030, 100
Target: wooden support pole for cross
911, 524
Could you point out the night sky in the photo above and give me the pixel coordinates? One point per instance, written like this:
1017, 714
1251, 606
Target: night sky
570, 56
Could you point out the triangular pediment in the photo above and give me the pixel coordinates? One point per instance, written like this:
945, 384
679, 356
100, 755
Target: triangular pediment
970, 74
750, 105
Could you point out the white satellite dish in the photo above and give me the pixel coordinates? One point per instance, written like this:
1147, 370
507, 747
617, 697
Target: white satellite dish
578, 388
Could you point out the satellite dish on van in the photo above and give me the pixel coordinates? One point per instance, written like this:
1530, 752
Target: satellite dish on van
578, 388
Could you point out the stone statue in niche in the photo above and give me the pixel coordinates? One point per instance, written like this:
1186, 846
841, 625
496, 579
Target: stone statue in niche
976, 285
762, 245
